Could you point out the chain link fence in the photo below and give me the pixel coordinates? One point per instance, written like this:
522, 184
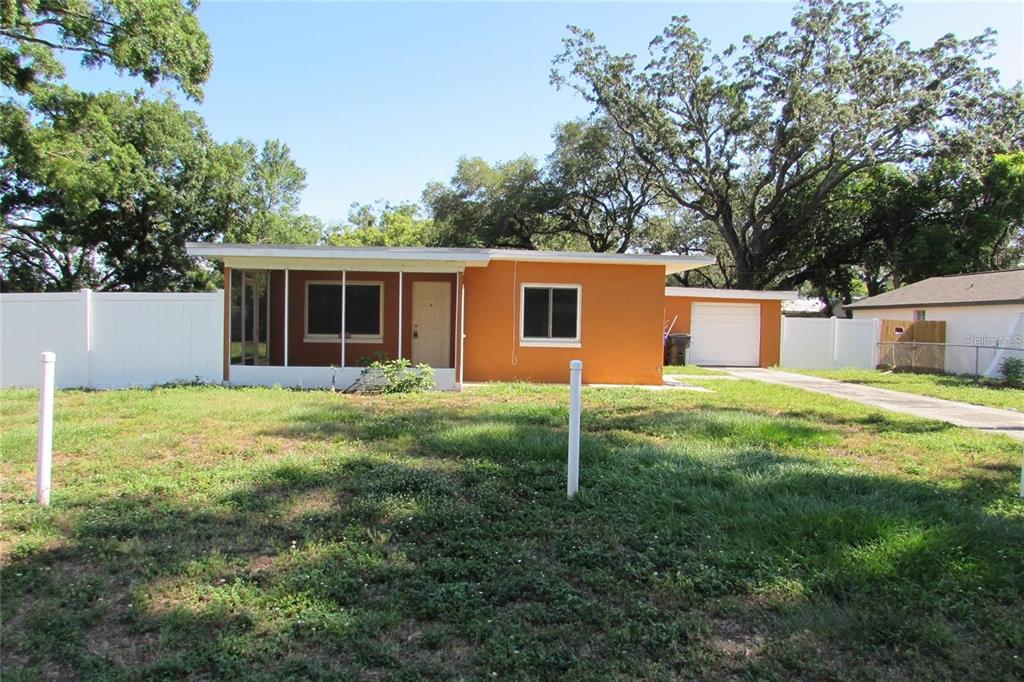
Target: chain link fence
947, 358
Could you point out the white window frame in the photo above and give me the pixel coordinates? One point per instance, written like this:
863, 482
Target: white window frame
920, 315
544, 342
336, 338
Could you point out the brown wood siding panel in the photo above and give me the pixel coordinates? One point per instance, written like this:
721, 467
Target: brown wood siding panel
319, 354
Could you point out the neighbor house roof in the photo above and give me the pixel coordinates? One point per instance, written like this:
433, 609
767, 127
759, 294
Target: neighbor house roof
372, 255
1004, 286
739, 294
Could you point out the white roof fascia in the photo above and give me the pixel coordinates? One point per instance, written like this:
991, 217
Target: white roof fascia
672, 263
301, 257
361, 264
697, 292
469, 257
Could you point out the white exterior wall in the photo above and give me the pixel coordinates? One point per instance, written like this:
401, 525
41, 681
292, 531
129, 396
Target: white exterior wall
111, 340
828, 343
982, 325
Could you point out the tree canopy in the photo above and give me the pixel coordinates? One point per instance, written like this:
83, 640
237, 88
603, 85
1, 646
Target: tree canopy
782, 120
104, 190
153, 39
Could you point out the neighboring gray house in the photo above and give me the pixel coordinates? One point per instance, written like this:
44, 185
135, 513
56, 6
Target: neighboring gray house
980, 309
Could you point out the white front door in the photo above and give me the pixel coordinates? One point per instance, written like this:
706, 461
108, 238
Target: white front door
725, 334
432, 323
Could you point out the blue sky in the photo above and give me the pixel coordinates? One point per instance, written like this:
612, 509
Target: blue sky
375, 100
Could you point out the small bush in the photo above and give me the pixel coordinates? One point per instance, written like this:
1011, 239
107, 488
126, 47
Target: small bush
395, 376
1013, 372
367, 360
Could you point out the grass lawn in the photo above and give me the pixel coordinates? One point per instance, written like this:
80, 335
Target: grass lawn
754, 532
948, 386
693, 370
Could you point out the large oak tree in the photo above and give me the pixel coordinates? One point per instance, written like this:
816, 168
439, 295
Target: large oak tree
781, 120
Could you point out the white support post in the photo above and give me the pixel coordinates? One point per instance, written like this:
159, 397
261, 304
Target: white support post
462, 330
399, 315
44, 451
575, 379
344, 289
286, 278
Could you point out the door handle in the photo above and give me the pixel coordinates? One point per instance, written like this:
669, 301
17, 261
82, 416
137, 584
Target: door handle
415, 335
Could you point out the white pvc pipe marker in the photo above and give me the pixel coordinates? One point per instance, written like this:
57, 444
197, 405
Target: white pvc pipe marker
575, 379
44, 453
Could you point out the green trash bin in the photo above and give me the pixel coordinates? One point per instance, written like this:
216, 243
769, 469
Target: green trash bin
678, 345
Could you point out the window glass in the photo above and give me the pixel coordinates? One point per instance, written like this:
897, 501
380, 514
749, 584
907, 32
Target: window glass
550, 313
535, 312
323, 309
563, 313
362, 309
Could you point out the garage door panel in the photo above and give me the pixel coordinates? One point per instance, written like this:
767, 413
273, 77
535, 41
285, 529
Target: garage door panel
725, 334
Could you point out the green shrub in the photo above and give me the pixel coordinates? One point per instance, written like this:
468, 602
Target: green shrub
367, 360
1013, 372
395, 376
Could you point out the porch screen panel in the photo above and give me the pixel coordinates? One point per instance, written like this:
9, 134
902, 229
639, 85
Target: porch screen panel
250, 317
237, 324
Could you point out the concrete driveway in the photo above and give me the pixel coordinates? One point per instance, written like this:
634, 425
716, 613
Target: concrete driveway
992, 419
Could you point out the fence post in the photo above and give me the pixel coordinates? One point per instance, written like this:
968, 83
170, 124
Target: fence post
44, 451
876, 353
87, 305
575, 379
835, 340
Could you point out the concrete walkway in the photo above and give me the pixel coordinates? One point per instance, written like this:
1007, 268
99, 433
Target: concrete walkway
991, 419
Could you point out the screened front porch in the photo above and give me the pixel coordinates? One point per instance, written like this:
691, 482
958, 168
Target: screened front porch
312, 328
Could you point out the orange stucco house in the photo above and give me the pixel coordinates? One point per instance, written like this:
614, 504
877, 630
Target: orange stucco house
310, 315
729, 327
307, 315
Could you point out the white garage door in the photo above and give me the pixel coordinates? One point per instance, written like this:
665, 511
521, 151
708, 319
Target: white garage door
725, 334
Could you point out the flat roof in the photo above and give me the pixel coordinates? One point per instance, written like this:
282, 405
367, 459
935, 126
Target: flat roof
439, 255
738, 294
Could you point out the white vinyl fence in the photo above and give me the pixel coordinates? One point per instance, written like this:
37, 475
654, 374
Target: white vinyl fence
111, 340
829, 343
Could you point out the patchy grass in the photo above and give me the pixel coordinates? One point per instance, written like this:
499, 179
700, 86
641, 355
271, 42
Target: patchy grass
693, 370
756, 532
973, 390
